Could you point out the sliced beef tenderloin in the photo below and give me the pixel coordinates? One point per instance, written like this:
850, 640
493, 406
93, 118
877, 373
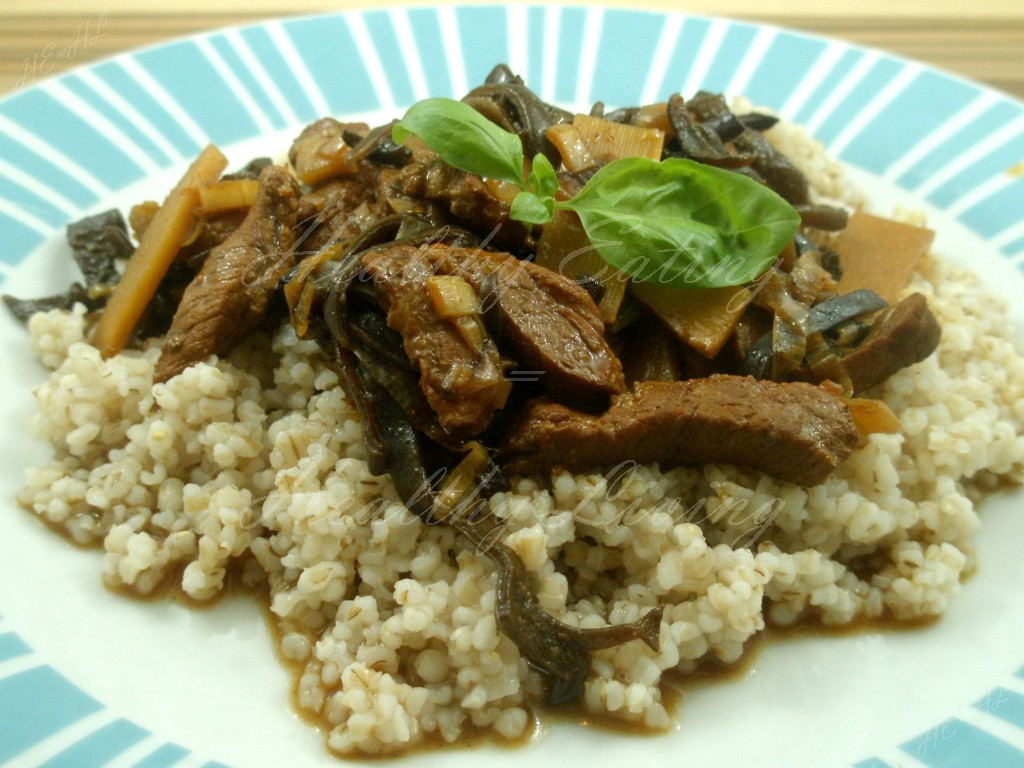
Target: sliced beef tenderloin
463, 385
902, 335
467, 199
546, 321
543, 321
335, 211
775, 168
796, 432
232, 291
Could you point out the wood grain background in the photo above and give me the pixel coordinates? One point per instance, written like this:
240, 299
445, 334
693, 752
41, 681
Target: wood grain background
986, 45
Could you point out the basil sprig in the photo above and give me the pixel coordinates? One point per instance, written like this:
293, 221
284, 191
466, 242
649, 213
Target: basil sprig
674, 222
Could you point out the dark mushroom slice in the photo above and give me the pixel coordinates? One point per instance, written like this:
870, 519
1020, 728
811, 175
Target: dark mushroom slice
833, 313
620, 115
97, 243
829, 259
560, 652
394, 445
519, 110
775, 168
23, 309
824, 217
695, 141
250, 170
712, 111
376, 146
757, 121
502, 75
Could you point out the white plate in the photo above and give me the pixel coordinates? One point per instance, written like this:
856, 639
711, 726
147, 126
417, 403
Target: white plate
88, 678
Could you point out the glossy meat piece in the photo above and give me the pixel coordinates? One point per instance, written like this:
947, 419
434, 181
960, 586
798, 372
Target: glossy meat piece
465, 198
463, 386
901, 336
230, 295
335, 211
544, 321
795, 431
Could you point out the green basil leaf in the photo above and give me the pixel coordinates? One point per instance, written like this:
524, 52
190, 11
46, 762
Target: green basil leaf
463, 138
542, 180
532, 209
681, 223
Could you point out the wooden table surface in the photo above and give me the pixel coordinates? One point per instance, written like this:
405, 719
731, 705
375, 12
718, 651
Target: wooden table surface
986, 45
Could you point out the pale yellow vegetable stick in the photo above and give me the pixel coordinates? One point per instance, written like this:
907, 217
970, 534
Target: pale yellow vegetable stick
228, 195
159, 245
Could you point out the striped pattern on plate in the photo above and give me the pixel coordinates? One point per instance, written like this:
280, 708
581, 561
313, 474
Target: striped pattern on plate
69, 143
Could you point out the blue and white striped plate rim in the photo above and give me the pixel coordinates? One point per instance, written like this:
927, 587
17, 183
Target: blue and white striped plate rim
70, 142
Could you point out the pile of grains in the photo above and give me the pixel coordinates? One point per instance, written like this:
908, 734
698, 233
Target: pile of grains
255, 463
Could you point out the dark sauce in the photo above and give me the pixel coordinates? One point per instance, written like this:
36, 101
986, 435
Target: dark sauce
472, 737
243, 579
813, 627
239, 581
675, 687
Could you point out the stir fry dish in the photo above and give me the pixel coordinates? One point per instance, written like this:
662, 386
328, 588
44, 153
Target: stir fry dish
416, 379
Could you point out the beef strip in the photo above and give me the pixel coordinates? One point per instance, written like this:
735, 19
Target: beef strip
339, 207
335, 211
548, 322
213, 231
343, 206
902, 335
544, 321
232, 291
319, 141
463, 386
796, 432
466, 199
